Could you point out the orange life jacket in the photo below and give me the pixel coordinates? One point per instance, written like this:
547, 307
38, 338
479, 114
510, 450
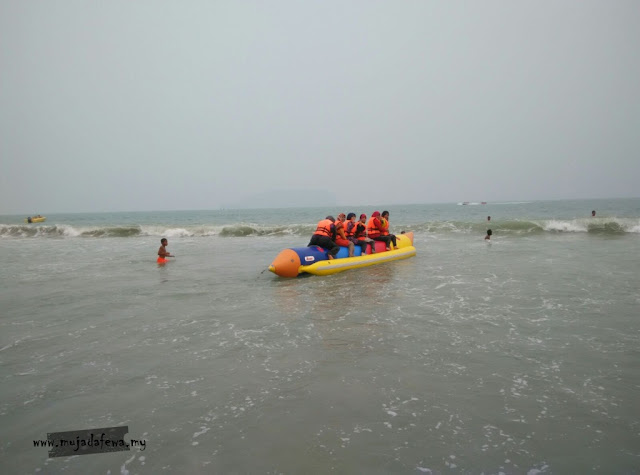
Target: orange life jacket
339, 225
350, 228
359, 229
384, 227
372, 228
324, 228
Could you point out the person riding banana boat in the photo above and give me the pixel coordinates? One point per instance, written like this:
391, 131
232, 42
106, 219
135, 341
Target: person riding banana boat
324, 256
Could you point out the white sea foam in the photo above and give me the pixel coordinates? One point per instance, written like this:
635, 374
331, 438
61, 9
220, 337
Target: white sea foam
564, 226
204, 430
535, 471
177, 232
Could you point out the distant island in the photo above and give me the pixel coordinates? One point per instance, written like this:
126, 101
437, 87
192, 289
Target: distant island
287, 199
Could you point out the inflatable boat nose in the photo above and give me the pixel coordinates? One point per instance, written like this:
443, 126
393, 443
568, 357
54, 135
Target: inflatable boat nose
286, 264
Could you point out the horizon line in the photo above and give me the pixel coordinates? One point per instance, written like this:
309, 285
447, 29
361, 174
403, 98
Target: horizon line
238, 208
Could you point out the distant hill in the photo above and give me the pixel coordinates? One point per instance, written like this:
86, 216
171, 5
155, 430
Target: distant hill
288, 199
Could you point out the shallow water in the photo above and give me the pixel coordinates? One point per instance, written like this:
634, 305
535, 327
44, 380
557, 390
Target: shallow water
518, 356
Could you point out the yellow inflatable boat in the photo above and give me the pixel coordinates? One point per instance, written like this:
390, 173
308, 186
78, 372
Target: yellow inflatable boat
315, 260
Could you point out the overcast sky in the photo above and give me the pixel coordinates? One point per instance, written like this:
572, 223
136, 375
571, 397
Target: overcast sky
151, 105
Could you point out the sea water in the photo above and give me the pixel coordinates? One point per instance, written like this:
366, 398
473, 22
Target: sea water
516, 356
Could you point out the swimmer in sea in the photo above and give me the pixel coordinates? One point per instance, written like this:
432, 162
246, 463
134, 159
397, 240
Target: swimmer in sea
162, 252
488, 236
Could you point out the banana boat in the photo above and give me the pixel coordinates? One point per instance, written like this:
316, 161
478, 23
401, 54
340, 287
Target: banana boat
315, 260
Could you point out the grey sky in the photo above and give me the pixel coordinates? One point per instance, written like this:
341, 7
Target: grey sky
140, 105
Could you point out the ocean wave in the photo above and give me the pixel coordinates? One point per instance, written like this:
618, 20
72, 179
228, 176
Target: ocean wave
594, 226
65, 230
232, 230
115, 231
606, 226
573, 226
19, 231
240, 230
526, 227
463, 227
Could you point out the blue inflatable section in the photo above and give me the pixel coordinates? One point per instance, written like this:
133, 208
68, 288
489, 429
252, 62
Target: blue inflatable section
344, 252
311, 254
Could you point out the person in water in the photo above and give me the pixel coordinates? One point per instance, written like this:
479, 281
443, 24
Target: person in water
488, 218
488, 236
324, 236
356, 232
374, 230
593, 213
341, 237
162, 252
384, 221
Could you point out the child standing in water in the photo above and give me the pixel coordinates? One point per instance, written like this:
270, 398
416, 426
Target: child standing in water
162, 252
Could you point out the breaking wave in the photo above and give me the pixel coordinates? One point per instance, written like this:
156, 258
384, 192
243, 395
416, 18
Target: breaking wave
605, 226
595, 226
240, 230
232, 230
65, 231
527, 227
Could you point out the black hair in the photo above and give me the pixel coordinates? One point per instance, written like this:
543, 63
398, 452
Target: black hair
351, 215
162, 240
384, 213
489, 233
